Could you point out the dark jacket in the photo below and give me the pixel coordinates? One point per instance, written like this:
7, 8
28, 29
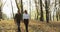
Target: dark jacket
18, 17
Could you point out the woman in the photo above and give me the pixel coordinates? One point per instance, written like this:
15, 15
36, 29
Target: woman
26, 19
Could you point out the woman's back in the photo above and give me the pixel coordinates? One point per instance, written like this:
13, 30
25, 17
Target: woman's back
25, 16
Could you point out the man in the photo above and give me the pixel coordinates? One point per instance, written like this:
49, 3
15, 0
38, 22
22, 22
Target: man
17, 19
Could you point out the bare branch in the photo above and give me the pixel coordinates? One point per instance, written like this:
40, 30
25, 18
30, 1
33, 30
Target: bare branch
4, 3
16, 4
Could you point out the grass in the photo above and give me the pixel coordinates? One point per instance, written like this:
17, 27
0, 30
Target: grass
34, 26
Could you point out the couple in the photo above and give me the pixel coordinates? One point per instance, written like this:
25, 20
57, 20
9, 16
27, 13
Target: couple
18, 17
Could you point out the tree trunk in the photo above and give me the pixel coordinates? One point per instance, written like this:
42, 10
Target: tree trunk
30, 7
47, 12
57, 15
36, 8
54, 10
1, 6
59, 9
21, 7
48, 4
17, 4
41, 18
0, 13
0, 9
12, 8
50, 16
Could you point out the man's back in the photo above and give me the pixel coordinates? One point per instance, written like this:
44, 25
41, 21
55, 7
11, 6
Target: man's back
18, 17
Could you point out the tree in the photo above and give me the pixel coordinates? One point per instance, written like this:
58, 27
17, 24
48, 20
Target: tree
21, 5
57, 12
36, 8
12, 8
48, 4
59, 9
47, 12
41, 18
17, 4
0, 10
54, 9
1, 6
30, 7
20, 8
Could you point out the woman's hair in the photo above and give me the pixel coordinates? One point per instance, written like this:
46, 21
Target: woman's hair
25, 11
